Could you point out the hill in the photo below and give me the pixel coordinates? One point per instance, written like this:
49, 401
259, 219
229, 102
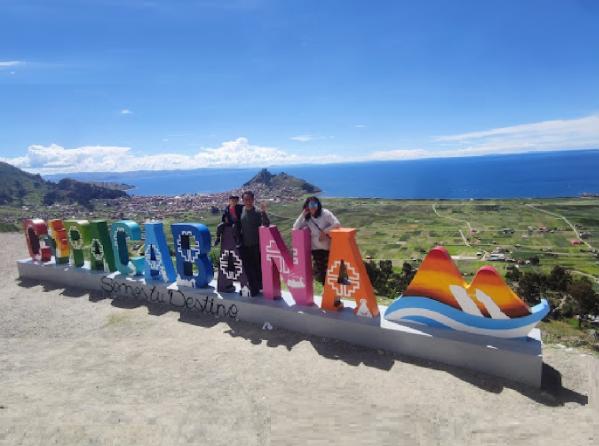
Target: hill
281, 182
18, 188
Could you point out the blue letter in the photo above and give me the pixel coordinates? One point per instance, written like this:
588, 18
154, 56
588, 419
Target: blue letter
120, 232
192, 245
159, 265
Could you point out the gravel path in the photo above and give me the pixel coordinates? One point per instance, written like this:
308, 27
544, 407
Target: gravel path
79, 369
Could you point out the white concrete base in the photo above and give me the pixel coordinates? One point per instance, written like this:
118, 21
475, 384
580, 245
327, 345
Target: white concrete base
518, 360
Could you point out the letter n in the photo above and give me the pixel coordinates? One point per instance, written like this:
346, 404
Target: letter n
346, 276
36, 236
159, 265
278, 262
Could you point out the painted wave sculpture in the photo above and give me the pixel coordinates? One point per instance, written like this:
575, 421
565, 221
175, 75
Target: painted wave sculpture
439, 297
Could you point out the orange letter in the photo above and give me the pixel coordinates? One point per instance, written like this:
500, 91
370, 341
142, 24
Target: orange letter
347, 277
61, 242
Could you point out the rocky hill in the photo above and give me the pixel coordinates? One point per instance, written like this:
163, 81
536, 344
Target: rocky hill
282, 182
18, 188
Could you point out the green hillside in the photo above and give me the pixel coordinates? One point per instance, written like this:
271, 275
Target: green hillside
19, 188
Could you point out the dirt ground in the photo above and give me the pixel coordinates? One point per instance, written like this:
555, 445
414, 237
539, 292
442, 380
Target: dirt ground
79, 369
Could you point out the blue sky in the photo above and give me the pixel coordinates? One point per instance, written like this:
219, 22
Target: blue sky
128, 84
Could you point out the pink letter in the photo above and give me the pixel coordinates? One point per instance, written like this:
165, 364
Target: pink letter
296, 271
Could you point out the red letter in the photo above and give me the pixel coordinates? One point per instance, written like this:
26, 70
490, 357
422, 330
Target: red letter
36, 233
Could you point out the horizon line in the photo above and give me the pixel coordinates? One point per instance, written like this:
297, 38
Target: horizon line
318, 164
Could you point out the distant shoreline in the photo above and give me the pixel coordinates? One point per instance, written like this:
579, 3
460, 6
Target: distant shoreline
532, 175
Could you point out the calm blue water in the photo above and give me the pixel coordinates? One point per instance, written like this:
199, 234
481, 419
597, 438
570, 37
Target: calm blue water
553, 174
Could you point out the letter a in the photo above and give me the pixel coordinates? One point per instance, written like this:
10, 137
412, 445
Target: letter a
346, 276
159, 265
101, 253
230, 264
277, 262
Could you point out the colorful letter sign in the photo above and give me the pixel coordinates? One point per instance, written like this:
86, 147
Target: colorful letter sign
120, 233
79, 238
159, 265
101, 254
439, 297
230, 265
278, 262
36, 233
60, 241
192, 245
346, 276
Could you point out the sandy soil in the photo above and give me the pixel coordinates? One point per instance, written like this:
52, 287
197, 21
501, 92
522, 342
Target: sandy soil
79, 369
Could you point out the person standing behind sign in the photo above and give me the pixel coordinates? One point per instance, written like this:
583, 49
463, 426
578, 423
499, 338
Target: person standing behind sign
250, 221
230, 217
319, 221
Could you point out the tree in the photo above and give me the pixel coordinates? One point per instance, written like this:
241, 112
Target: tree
372, 271
513, 273
587, 301
559, 279
531, 285
387, 282
534, 260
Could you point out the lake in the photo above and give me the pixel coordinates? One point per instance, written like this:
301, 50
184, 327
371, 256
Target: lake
542, 175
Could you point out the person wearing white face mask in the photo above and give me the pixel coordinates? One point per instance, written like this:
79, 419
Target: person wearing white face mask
320, 222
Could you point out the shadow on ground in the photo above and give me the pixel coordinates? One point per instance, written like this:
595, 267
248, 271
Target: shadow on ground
552, 392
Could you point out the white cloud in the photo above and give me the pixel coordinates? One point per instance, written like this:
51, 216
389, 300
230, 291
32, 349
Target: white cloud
308, 138
582, 133
126, 111
360, 126
545, 135
54, 158
10, 63
303, 138
238, 152
399, 154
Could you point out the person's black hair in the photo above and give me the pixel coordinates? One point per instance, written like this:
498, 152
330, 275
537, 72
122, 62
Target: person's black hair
315, 199
247, 192
234, 197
